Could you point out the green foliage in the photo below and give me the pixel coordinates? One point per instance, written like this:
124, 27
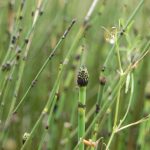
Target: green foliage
42, 46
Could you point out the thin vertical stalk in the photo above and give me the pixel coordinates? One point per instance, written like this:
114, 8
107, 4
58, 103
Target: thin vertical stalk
49, 116
45, 110
22, 65
45, 64
96, 126
82, 80
116, 116
81, 116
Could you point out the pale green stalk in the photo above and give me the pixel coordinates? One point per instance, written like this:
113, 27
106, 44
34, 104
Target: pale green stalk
81, 116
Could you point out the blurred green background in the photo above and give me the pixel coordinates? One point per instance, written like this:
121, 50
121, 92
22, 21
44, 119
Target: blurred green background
54, 17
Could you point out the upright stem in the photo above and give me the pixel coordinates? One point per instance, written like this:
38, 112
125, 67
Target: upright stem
98, 105
116, 116
117, 107
81, 115
82, 80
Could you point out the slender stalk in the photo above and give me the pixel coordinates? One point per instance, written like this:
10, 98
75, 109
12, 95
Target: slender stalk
117, 108
102, 81
82, 80
45, 110
4, 92
118, 56
90, 11
49, 116
124, 29
67, 82
100, 114
116, 117
134, 123
116, 127
79, 34
22, 65
33, 130
81, 115
12, 42
130, 100
44, 65
139, 102
104, 108
15, 28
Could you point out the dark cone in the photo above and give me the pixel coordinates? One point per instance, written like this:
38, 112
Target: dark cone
82, 77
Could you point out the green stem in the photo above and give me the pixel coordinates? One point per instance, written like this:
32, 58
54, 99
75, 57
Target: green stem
45, 64
33, 130
98, 105
130, 100
116, 117
81, 116
133, 124
110, 140
49, 117
117, 108
115, 127
118, 56
45, 110
104, 108
22, 67
124, 28
4, 92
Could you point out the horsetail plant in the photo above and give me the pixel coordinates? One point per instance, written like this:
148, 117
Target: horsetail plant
82, 81
35, 107
102, 82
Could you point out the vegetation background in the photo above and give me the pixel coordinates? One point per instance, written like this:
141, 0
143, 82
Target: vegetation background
43, 43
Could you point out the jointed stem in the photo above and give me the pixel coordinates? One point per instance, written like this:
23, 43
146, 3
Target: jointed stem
98, 105
45, 110
44, 65
81, 115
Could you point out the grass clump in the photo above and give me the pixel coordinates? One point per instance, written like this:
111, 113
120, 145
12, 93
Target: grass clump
46, 102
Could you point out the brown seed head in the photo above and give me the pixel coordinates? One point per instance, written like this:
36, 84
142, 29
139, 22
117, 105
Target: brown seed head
82, 77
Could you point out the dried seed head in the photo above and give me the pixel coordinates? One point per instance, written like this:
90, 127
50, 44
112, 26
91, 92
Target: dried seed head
25, 137
102, 80
82, 77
